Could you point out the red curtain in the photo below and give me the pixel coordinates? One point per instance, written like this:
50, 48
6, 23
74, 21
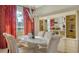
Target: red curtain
7, 22
27, 21
2, 39
10, 21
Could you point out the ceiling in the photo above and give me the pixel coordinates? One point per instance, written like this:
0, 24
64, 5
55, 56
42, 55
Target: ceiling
34, 6
37, 6
44, 10
53, 9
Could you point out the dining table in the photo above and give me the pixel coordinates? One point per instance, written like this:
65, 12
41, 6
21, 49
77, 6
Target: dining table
32, 43
38, 41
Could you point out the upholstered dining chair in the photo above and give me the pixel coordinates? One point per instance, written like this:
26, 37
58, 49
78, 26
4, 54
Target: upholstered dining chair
47, 37
40, 34
53, 44
11, 42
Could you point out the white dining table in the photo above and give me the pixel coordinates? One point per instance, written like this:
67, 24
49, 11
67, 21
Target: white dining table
33, 40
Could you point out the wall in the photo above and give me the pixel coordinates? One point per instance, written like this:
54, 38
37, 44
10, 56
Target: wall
77, 13
68, 44
49, 11
51, 16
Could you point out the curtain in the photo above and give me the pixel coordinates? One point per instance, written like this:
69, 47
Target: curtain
10, 21
27, 21
3, 43
7, 22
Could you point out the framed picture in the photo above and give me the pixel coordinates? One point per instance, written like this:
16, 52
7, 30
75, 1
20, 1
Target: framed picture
71, 26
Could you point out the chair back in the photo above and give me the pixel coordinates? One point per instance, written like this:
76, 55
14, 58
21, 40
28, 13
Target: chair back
30, 35
48, 36
12, 46
41, 33
53, 44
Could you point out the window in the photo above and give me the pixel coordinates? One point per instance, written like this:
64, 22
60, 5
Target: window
19, 23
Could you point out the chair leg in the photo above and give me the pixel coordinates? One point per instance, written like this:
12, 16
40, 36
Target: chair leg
8, 50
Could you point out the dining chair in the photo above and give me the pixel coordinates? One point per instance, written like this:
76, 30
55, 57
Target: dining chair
11, 42
40, 34
47, 37
62, 45
30, 35
53, 44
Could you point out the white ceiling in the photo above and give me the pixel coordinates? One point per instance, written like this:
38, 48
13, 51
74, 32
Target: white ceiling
33, 6
37, 6
53, 9
44, 10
